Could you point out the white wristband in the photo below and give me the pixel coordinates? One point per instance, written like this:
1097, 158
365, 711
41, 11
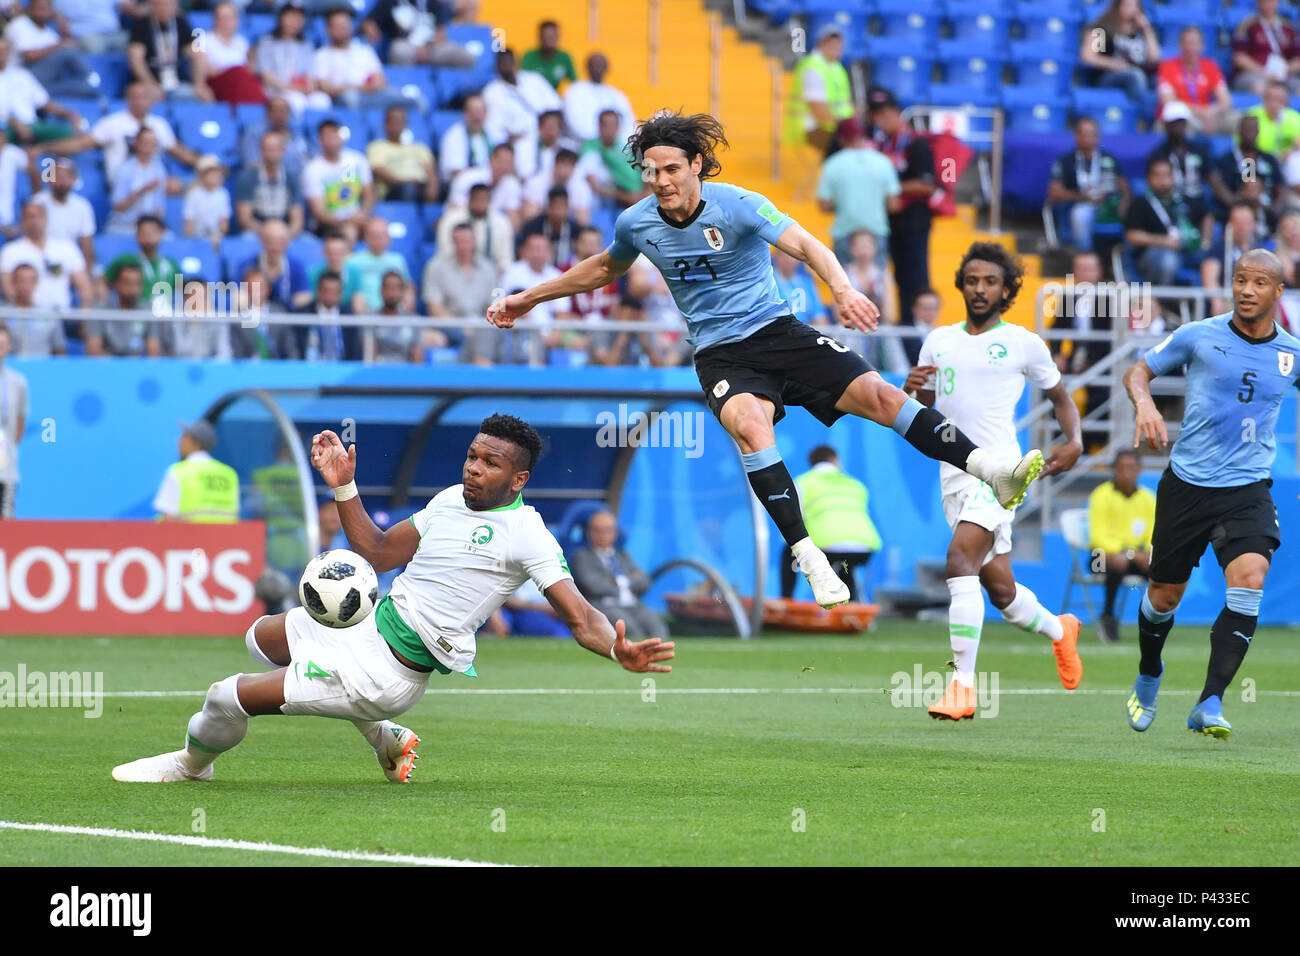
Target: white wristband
346, 492
611, 651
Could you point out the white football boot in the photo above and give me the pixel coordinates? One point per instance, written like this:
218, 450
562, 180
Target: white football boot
1010, 480
828, 590
396, 752
164, 768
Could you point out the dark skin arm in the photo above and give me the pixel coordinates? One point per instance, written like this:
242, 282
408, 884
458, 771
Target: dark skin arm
592, 630
1150, 423
385, 550
1067, 417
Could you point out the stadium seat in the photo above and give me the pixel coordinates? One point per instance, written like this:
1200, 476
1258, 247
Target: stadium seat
430, 213
902, 20
959, 94
1035, 109
1037, 68
409, 248
413, 81
476, 38
110, 245
403, 219
172, 217
428, 249
853, 24
1170, 18
195, 257
249, 114
306, 248
236, 250
90, 184
209, 128
254, 26
352, 122
907, 74
978, 22
450, 85
972, 63
200, 20
1051, 30
1112, 110
439, 122
109, 73
89, 110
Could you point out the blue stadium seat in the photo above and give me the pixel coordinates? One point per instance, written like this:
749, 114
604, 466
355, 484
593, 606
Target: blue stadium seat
255, 25
109, 73
235, 249
1170, 18
90, 184
403, 219
430, 213
172, 218
439, 122
976, 21
450, 84
200, 20
409, 249
959, 94
975, 64
196, 257
1037, 68
853, 24
1112, 110
1051, 29
602, 217
307, 248
428, 249
1035, 110
109, 246
89, 110
249, 114
476, 38
209, 128
414, 81
902, 20
907, 73
351, 120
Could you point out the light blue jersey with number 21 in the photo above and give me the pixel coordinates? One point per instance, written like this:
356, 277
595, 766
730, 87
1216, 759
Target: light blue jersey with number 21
717, 264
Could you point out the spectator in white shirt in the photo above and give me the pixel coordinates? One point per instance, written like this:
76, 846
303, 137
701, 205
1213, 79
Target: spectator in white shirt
58, 263
561, 175
338, 185
348, 68
516, 99
115, 132
22, 98
207, 209
140, 186
95, 24
550, 141
468, 142
14, 162
222, 65
494, 236
42, 41
586, 99
33, 338
507, 192
534, 267
69, 215
283, 60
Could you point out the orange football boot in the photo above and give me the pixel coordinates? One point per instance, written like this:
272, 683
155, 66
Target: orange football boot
957, 703
1068, 666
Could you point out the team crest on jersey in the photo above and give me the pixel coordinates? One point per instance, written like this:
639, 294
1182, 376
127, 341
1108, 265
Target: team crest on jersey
997, 352
1285, 362
713, 236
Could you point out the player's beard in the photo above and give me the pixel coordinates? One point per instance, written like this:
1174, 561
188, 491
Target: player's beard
990, 313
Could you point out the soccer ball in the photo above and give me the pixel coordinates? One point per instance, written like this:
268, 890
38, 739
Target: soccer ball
338, 588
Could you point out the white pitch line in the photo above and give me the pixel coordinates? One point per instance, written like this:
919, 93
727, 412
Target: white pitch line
210, 843
696, 691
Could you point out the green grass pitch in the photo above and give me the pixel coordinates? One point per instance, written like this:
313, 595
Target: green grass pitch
742, 744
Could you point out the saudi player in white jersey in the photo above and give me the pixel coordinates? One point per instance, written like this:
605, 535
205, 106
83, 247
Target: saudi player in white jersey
465, 553
974, 373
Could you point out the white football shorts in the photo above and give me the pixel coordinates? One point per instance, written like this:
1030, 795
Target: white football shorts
345, 672
972, 500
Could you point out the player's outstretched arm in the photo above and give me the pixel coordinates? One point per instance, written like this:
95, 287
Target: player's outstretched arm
1150, 424
1067, 416
384, 550
595, 272
592, 630
856, 310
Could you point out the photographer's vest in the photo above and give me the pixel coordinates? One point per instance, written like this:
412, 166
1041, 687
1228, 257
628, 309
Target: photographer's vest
835, 509
209, 491
839, 97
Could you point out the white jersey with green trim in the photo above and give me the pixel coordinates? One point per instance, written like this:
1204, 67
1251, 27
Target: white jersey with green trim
979, 382
466, 565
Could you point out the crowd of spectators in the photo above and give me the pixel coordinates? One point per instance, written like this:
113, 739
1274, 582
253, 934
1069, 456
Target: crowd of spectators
433, 214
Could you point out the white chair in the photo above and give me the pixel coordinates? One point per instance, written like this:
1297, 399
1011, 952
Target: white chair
1074, 526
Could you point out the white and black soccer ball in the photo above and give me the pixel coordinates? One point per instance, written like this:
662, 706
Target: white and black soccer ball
338, 588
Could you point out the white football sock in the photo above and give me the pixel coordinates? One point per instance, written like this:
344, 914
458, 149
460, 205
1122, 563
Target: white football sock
219, 726
801, 547
965, 619
372, 730
255, 649
978, 463
1025, 612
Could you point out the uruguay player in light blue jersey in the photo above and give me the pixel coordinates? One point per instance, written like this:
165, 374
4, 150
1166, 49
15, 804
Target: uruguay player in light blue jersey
1216, 490
711, 243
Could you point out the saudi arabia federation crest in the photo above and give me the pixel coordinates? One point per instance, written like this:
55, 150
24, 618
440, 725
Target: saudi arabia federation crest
713, 236
1285, 362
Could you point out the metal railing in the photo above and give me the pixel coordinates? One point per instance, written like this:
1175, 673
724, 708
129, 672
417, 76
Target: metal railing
990, 172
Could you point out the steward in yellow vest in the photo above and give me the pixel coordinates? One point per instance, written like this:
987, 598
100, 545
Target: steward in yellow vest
198, 487
820, 93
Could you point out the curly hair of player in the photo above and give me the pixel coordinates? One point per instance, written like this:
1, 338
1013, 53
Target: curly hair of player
695, 135
1013, 273
519, 433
